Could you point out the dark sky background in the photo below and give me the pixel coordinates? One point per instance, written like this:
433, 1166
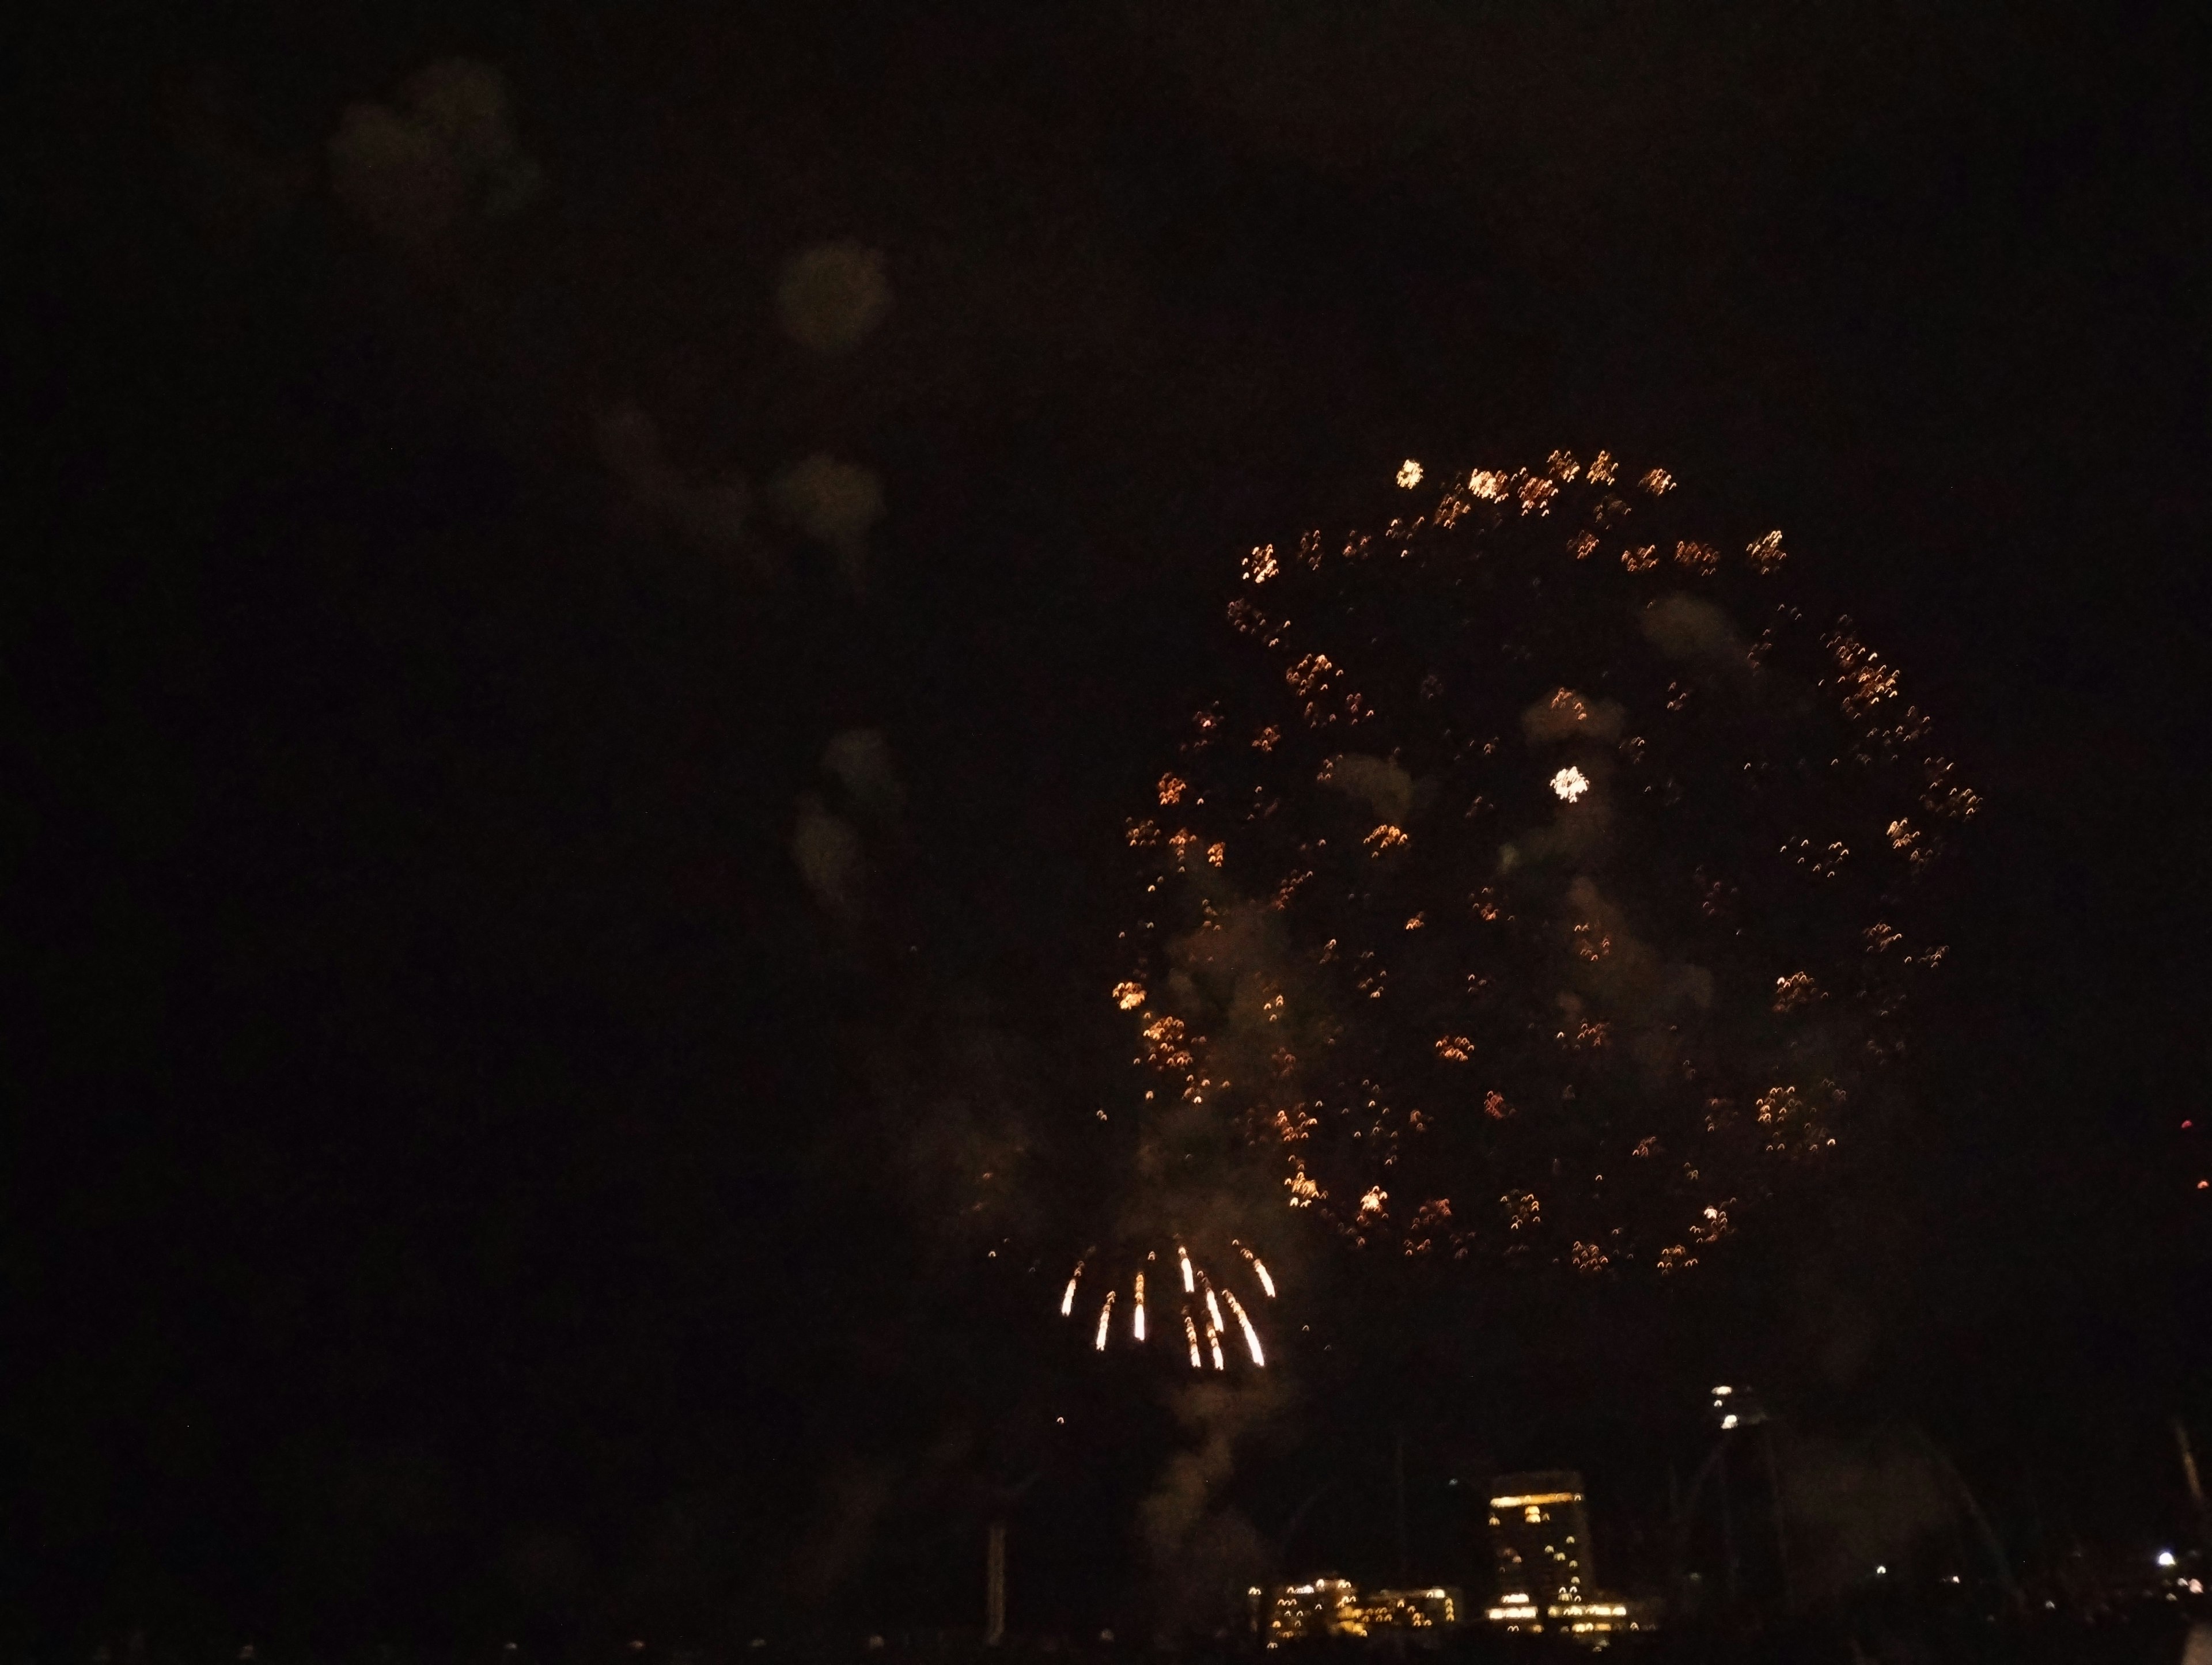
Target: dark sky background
461, 1184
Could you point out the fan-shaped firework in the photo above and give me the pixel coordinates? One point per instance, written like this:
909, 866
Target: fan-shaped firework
1177, 1298
1541, 880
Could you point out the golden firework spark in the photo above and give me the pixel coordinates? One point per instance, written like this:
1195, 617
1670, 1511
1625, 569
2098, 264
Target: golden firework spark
1203, 1309
1251, 1335
1259, 1269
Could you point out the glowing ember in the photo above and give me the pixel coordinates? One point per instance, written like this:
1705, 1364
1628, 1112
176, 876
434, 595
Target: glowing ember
1251, 1335
1571, 783
1260, 1269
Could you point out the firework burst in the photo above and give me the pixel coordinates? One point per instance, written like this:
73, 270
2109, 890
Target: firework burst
1201, 1291
1542, 881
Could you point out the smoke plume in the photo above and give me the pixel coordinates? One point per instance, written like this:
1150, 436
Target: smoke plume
1685, 627
413, 171
827, 849
710, 514
835, 503
831, 296
1201, 1549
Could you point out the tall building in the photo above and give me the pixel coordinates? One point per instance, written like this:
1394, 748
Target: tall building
1546, 1578
1540, 1532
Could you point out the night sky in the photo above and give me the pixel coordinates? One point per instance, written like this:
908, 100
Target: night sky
464, 1182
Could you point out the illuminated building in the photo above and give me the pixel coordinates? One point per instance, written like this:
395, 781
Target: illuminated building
1319, 1608
1540, 1529
1436, 1608
1540, 1532
1333, 1607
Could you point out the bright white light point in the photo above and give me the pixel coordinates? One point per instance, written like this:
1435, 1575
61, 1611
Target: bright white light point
1882, 1572
1105, 1318
1266, 1282
1190, 1285
1571, 783
1067, 1301
2166, 1558
1409, 474
1728, 1421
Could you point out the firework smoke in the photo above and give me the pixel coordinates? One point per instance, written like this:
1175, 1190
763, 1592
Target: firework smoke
827, 849
415, 170
1197, 1546
835, 503
830, 297
859, 760
710, 514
